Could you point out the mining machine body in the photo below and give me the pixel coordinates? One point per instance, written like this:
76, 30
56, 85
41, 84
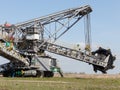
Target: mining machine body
25, 45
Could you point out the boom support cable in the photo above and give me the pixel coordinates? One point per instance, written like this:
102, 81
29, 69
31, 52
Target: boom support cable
87, 31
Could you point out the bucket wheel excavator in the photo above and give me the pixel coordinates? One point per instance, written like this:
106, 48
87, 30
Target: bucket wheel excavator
25, 45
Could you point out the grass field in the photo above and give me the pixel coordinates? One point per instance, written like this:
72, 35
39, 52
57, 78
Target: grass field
58, 83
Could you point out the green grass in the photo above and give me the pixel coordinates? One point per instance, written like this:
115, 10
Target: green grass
59, 84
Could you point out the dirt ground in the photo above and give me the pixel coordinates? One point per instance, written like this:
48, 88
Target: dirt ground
72, 75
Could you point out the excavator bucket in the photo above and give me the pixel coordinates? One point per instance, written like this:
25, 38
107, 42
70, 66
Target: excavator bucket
103, 54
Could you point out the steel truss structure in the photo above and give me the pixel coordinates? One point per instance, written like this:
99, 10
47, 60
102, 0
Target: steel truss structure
33, 37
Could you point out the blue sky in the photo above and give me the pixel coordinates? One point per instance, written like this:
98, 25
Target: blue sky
105, 24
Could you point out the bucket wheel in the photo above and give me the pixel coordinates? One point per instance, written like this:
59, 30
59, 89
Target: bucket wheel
102, 53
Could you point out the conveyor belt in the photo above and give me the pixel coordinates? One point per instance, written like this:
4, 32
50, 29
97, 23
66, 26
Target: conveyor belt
11, 55
74, 54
